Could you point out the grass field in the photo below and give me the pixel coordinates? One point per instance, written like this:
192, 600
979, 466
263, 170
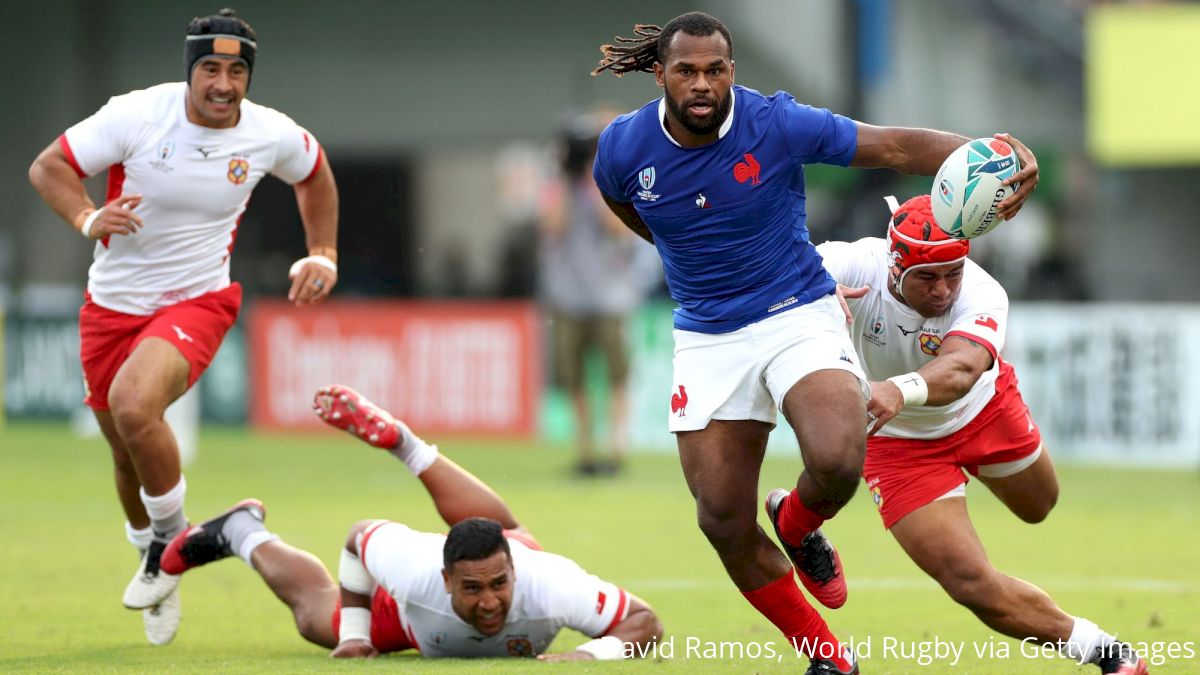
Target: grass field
1120, 549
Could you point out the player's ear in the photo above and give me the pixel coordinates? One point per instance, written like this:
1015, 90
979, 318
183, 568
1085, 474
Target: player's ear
731, 65
446, 579
660, 74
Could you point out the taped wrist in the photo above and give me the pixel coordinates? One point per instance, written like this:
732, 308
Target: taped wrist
315, 259
913, 387
355, 624
607, 648
86, 228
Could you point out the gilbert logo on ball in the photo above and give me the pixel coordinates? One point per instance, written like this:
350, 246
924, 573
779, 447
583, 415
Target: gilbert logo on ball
967, 188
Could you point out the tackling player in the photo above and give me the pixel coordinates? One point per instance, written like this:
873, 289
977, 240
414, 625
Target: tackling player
484, 589
929, 332
182, 159
712, 174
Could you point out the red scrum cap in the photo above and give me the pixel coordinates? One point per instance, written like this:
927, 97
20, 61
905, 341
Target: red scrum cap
915, 240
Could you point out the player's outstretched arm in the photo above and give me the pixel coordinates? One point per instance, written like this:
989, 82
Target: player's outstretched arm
920, 152
633, 636
948, 377
317, 199
917, 152
62, 189
354, 629
629, 216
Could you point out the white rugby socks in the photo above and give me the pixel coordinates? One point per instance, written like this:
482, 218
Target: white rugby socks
139, 538
1085, 641
411, 449
166, 511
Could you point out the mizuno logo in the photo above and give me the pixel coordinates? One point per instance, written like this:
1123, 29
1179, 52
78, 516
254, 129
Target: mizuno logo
182, 335
205, 151
906, 333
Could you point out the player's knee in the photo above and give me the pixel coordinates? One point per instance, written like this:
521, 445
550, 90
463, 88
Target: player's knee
721, 522
130, 413
1039, 509
836, 472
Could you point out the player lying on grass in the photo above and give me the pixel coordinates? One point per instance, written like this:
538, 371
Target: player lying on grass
484, 589
929, 327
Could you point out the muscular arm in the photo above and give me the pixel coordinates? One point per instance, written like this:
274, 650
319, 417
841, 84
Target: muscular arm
62, 189
957, 367
59, 186
920, 152
640, 626
950, 375
629, 216
317, 199
353, 648
917, 152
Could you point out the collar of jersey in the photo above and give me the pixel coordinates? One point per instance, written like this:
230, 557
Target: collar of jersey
725, 126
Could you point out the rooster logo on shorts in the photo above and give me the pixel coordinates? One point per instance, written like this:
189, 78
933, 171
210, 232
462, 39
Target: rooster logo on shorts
679, 402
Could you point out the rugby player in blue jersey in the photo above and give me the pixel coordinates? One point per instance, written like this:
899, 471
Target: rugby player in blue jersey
712, 175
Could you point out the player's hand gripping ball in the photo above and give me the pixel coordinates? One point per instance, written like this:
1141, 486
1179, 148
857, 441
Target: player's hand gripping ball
968, 187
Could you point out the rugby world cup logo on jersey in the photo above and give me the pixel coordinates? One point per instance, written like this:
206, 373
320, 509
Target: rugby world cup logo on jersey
239, 170
646, 178
876, 334
165, 150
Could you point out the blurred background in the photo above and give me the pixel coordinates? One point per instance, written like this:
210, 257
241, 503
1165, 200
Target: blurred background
445, 124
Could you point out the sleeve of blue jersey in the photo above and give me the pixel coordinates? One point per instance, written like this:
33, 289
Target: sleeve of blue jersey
601, 174
816, 135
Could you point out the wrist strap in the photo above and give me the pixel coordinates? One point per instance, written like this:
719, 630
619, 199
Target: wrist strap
316, 260
607, 648
912, 386
356, 625
87, 223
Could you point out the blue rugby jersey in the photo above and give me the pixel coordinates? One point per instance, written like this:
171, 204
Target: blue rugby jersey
728, 218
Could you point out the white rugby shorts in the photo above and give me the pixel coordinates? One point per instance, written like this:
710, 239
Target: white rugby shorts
745, 374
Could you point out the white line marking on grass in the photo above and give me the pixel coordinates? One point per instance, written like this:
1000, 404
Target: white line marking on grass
921, 584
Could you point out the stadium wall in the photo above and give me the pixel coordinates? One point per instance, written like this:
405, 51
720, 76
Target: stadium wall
1107, 383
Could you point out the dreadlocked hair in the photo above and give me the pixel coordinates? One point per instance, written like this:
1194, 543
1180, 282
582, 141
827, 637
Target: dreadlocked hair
640, 53
631, 55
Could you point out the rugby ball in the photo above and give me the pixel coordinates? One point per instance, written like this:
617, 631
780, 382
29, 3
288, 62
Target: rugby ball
967, 188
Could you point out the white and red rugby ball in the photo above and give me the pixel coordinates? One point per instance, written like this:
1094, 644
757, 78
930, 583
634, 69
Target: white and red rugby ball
967, 188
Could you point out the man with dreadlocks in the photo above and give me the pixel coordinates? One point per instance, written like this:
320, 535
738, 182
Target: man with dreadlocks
929, 331
182, 160
712, 174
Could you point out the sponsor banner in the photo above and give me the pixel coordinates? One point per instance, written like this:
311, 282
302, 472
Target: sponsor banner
472, 368
1106, 383
42, 375
1110, 382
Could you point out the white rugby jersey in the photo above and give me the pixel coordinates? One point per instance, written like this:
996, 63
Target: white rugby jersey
892, 338
195, 183
550, 593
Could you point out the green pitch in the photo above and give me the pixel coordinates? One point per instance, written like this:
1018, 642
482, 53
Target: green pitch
1120, 549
